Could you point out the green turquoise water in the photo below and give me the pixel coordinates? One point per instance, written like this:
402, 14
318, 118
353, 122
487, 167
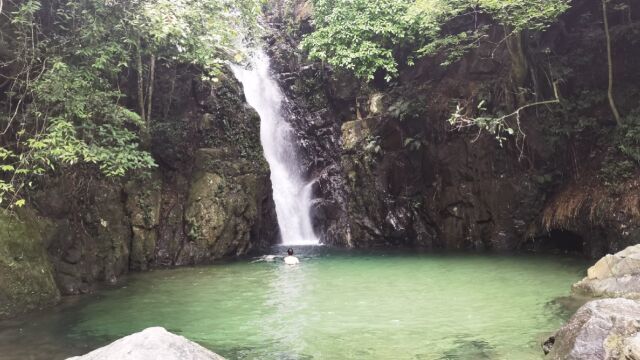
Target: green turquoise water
334, 305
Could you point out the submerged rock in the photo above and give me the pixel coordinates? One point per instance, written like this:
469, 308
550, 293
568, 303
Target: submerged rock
268, 258
151, 344
601, 329
615, 275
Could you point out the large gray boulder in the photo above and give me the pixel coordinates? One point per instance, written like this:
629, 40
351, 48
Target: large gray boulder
604, 329
154, 343
615, 275
631, 348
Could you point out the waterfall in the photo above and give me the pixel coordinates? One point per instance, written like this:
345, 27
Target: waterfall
291, 193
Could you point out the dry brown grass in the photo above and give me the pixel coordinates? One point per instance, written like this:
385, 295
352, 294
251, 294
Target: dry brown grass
596, 204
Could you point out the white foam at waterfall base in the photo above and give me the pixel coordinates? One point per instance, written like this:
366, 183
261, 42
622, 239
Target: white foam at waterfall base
291, 194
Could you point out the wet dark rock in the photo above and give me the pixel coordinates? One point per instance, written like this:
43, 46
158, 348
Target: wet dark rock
377, 185
548, 344
89, 240
99, 229
179, 217
472, 349
143, 206
72, 256
390, 171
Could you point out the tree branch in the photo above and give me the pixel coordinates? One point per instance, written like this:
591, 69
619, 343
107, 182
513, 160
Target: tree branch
461, 121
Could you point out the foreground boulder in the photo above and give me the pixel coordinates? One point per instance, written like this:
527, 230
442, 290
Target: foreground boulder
602, 329
615, 275
151, 344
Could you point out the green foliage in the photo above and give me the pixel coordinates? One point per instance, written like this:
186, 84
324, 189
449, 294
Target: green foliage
372, 149
362, 35
405, 110
372, 145
66, 63
495, 124
628, 138
358, 35
521, 15
456, 45
196, 31
622, 162
615, 171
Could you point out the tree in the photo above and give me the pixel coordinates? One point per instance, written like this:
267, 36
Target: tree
361, 36
366, 36
63, 65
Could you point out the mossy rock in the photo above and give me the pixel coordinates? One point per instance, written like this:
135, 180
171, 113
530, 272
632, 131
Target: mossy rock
26, 276
222, 207
143, 245
353, 132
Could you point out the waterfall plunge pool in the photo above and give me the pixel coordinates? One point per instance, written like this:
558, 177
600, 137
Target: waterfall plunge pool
336, 304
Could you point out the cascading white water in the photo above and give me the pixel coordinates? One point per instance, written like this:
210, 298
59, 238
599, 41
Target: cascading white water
291, 194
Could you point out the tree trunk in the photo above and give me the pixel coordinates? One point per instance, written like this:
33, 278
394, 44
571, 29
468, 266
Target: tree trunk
145, 136
152, 75
173, 87
612, 102
140, 82
519, 64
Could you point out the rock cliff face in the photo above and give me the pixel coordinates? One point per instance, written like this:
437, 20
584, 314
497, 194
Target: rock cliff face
390, 171
227, 206
89, 233
26, 276
209, 198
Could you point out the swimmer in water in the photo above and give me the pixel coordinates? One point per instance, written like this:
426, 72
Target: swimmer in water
290, 259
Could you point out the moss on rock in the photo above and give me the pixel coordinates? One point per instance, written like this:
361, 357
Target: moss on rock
26, 277
224, 205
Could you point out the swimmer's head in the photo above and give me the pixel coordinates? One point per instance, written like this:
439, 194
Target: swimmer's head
290, 252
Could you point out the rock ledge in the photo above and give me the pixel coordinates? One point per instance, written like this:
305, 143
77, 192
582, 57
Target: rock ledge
615, 275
